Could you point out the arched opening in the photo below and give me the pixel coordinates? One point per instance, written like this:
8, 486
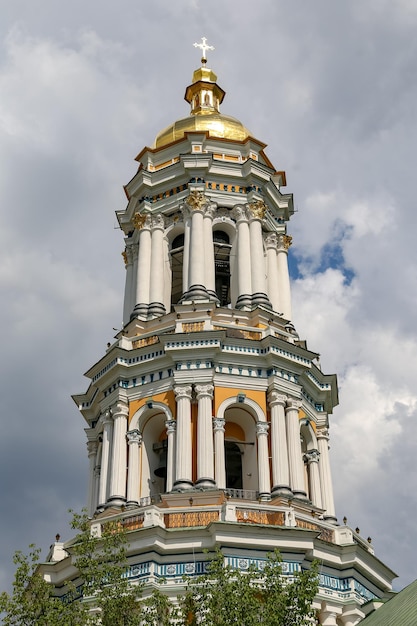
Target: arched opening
221, 243
233, 459
177, 261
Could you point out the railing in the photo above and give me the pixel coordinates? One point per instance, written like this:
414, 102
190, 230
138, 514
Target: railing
241, 494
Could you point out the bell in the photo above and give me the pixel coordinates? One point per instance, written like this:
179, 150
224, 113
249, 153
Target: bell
161, 448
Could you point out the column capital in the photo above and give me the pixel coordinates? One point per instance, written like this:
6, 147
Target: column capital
141, 221
171, 426
262, 428
293, 403
240, 213
276, 398
204, 391
284, 242
322, 433
271, 241
121, 408
92, 448
210, 210
256, 210
106, 417
219, 424
183, 392
134, 437
312, 456
196, 200
158, 222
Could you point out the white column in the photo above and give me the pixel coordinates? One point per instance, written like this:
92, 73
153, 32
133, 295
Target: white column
134, 440
351, 616
92, 458
219, 456
143, 276
183, 458
209, 267
329, 614
197, 204
205, 466
128, 304
256, 212
170, 426
105, 458
272, 270
244, 299
156, 291
325, 474
186, 251
117, 495
264, 481
279, 447
312, 458
295, 459
284, 242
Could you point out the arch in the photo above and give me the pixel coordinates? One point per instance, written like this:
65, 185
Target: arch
150, 421
247, 403
176, 255
240, 429
222, 248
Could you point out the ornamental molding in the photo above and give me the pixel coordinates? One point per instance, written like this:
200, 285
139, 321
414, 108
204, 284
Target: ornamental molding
271, 240
276, 398
141, 221
183, 392
262, 428
157, 222
294, 404
284, 242
204, 391
134, 436
312, 456
171, 426
120, 409
196, 200
257, 209
219, 424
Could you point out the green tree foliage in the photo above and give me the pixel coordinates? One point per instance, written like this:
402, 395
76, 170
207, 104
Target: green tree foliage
223, 596
32, 602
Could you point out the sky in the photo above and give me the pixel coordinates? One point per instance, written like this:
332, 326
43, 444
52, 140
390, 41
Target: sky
331, 87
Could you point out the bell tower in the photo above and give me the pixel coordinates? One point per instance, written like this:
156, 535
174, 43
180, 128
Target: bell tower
207, 419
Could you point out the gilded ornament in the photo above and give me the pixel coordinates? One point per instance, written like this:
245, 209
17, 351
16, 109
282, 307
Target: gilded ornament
139, 220
124, 255
287, 240
257, 209
196, 200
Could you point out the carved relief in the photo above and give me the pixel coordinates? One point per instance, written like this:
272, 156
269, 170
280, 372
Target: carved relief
196, 200
257, 209
284, 241
139, 221
271, 240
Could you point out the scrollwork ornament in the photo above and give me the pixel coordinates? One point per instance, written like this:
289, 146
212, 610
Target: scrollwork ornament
124, 255
284, 242
262, 428
171, 426
134, 437
196, 200
219, 423
257, 209
158, 222
140, 221
183, 392
271, 240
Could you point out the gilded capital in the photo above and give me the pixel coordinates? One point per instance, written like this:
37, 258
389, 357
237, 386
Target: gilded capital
284, 241
196, 200
139, 220
257, 209
124, 255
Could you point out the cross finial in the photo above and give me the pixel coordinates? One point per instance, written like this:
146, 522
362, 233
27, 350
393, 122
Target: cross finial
204, 47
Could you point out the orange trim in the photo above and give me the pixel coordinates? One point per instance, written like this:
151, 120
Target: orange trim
223, 393
167, 398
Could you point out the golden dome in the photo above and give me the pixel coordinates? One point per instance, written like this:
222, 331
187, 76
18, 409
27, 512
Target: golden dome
205, 96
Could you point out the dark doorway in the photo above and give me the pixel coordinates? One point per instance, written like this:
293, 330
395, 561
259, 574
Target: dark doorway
233, 454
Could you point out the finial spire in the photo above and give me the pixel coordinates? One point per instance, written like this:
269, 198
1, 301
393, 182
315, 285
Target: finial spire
204, 47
